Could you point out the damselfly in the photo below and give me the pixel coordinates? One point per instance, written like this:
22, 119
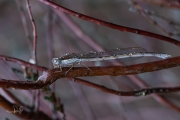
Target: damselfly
70, 59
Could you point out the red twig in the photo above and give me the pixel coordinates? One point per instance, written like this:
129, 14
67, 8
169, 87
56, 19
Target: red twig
136, 93
52, 76
21, 62
34, 31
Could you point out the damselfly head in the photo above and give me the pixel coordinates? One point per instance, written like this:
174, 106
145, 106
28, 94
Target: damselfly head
55, 62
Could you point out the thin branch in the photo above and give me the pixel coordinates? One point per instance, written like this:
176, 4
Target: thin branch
136, 93
110, 25
16, 84
157, 97
21, 62
51, 77
34, 31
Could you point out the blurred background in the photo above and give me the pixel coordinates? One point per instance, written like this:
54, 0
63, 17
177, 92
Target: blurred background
71, 34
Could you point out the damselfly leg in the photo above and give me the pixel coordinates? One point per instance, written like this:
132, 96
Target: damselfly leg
85, 66
73, 66
69, 69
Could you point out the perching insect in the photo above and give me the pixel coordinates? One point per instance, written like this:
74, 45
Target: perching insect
70, 59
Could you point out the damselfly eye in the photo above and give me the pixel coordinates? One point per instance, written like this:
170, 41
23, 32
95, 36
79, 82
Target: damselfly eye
55, 60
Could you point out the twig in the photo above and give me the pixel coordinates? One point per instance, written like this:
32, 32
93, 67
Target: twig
34, 31
136, 93
16, 84
21, 62
50, 78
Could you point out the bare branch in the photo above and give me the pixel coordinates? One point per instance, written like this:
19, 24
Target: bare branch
34, 32
21, 62
136, 93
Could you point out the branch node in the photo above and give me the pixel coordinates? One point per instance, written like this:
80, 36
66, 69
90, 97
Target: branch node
43, 77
